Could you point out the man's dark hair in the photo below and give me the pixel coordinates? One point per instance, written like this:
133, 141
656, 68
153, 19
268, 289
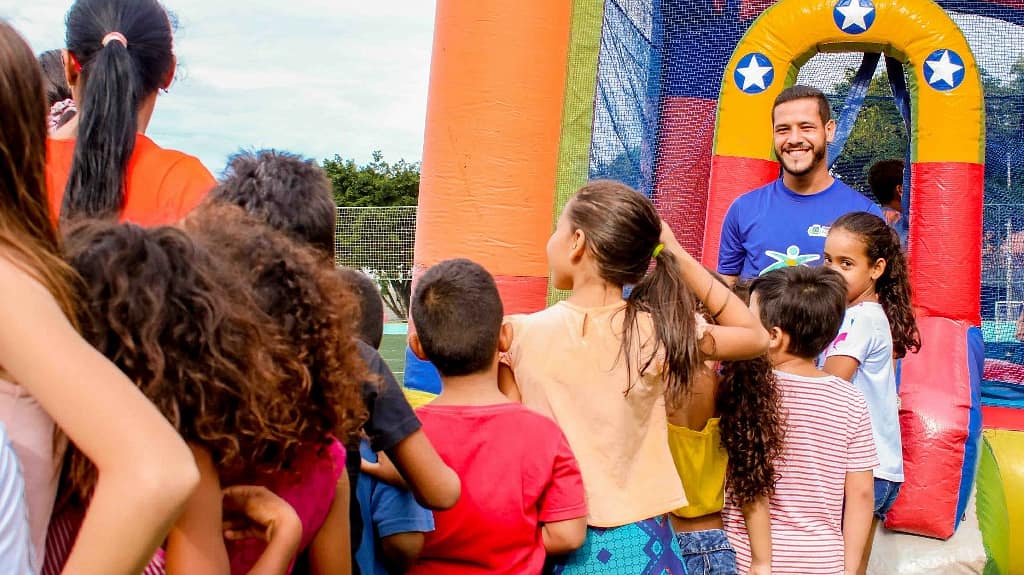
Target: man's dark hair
288, 192
883, 178
458, 313
371, 306
799, 92
807, 304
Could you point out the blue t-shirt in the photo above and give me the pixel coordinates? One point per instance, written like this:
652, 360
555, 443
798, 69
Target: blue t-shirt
386, 510
772, 227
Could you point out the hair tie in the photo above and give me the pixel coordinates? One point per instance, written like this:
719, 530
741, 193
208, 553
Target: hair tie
658, 250
115, 36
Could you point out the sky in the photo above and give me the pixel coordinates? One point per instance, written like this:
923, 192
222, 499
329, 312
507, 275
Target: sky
314, 77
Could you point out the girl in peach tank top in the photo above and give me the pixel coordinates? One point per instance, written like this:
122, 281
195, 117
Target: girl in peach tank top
605, 368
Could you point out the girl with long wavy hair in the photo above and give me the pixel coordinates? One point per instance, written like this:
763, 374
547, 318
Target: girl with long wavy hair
319, 315
604, 367
879, 327
725, 438
189, 334
51, 378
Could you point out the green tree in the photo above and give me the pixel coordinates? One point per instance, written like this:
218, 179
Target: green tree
377, 239
377, 183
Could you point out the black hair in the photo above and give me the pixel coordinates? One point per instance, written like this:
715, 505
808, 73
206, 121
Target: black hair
883, 177
57, 89
800, 92
115, 77
458, 313
371, 306
808, 304
289, 193
893, 287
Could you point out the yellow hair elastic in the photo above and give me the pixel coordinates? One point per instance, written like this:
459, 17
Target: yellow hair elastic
657, 251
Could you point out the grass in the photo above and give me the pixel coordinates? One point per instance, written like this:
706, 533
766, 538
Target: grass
392, 349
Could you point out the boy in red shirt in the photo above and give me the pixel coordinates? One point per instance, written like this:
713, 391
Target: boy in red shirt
522, 493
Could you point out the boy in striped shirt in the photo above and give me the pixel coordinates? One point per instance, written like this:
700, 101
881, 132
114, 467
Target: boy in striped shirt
821, 510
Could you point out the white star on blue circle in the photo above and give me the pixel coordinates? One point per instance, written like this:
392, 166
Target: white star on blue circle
854, 16
754, 73
944, 70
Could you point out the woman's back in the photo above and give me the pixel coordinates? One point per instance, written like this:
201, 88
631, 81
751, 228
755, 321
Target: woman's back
161, 186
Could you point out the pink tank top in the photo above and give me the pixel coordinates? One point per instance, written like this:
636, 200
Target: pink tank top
309, 490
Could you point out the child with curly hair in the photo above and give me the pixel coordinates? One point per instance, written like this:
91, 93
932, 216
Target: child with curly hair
317, 313
193, 340
724, 440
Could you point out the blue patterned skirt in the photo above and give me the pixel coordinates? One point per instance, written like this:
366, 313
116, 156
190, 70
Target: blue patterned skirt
647, 547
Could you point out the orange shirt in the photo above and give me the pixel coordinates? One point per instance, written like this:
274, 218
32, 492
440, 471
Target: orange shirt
161, 186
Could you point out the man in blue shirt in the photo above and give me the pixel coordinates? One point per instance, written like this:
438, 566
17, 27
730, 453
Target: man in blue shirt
784, 223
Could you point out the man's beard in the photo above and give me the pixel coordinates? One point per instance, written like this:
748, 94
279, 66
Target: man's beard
817, 157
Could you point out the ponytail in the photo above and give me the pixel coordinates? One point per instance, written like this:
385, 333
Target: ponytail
106, 135
122, 49
673, 308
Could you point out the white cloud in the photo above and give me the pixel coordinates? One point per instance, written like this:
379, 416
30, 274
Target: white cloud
315, 77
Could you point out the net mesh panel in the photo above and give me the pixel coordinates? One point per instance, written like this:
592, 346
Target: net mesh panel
378, 241
660, 60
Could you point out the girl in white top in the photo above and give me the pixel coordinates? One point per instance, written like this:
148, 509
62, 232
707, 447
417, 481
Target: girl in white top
879, 327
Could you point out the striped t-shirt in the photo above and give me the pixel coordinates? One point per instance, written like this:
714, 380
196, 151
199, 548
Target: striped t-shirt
828, 433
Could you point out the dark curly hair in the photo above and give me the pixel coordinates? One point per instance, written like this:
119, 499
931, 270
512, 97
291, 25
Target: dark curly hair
751, 423
314, 305
192, 339
893, 287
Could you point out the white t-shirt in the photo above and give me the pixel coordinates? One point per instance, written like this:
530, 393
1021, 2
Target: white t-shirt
16, 553
866, 337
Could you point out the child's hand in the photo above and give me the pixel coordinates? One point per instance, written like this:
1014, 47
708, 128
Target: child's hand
252, 511
760, 569
383, 470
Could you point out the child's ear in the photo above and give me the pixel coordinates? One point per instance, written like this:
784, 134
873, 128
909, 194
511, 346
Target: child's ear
169, 78
878, 269
71, 69
778, 340
578, 245
505, 338
416, 346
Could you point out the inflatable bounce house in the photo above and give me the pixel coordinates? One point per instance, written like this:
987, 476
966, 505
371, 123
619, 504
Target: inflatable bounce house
531, 98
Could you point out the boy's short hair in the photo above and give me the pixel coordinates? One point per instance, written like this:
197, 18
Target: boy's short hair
883, 177
808, 304
458, 313
371, 306
288, 192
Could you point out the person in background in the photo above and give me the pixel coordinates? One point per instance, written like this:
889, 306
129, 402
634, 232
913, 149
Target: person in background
58, 94
886, 181
101, 164
784, 223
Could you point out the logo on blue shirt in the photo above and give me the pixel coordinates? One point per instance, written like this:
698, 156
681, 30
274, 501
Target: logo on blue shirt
818, 231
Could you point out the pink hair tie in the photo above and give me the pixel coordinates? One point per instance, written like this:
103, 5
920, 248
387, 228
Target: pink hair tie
115, 36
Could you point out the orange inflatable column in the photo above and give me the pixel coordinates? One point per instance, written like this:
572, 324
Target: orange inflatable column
497, 83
